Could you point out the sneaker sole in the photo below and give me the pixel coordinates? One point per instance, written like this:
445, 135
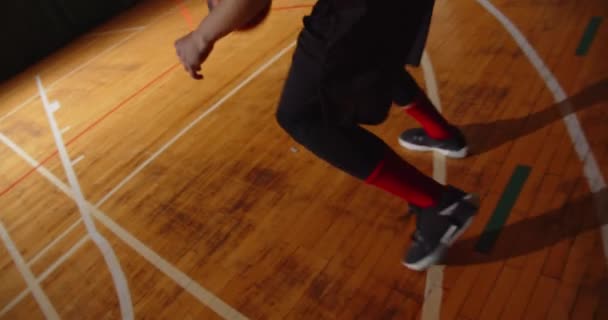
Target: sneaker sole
436, 255
459, 154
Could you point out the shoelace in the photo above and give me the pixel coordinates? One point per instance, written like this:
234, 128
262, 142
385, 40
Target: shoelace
419, 138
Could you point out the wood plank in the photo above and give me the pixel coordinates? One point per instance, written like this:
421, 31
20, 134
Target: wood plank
520, 296
26, 309
562, 302
275, 231
541, 298
495, 304
577, 260
477, 298
399, 306
58, 250
275, 290
369, 302
10, 277
602, 308
586, 303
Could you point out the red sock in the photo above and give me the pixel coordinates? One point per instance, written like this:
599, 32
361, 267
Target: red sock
423, 110
400, 178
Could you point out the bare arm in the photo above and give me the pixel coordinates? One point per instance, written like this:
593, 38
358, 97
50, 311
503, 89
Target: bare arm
194, 48
228, 15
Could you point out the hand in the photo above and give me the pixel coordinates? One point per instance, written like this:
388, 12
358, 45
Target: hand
192, 51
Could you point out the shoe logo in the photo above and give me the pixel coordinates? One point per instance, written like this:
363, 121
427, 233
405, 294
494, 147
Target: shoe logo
449, 210
447, 237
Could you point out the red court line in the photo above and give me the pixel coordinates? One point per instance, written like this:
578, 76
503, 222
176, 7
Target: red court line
123, 102
188, 18
293, 7
11, 186
185, 13
89, 128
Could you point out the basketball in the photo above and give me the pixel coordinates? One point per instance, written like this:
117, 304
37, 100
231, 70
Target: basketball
254, 22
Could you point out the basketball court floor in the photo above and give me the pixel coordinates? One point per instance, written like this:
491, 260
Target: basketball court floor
130, 191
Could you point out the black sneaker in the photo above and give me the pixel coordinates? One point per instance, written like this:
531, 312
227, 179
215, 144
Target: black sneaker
438, 227
418, 140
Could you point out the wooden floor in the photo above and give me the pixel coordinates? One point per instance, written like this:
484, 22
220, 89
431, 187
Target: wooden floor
214, 212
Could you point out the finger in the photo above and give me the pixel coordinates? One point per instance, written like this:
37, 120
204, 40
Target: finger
194, 68
194, 74
188, 69
195, 71
191, 72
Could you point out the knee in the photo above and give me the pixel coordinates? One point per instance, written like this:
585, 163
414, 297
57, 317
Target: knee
404, 88
297, 126
290, 123
285, 120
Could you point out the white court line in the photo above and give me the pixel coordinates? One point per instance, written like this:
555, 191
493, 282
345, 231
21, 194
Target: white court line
45, 274
591, 170
64, 130
51, 244
86, 63
174, 273
114, 31
203, 295
433, 293
32, 162
54, 83
178, 276
75, 161
120, 282
183, 280
194, 122
14, 302
63, 258
45, 305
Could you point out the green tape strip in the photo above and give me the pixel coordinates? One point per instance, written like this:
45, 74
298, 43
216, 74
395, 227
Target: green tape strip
503, 209
588, 36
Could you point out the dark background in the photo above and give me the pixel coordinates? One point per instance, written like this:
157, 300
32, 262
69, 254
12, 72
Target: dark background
32, 29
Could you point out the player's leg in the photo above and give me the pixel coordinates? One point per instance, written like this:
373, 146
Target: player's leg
436, 133
443, 211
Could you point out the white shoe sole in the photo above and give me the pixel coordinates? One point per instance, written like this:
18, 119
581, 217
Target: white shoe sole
451, 154
438, 253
